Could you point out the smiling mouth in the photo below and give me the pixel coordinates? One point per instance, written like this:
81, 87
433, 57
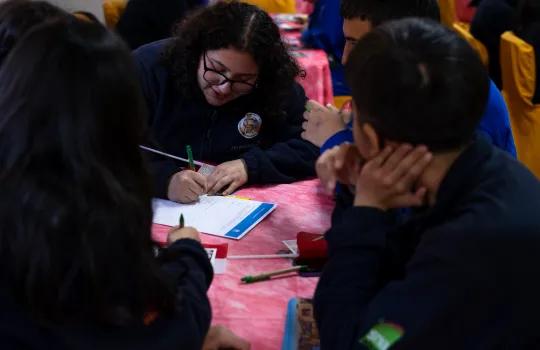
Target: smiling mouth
217, 95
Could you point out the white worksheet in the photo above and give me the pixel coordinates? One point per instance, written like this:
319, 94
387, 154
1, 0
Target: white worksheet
228, 217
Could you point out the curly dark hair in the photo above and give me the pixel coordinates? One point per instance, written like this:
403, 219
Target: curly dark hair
246, 28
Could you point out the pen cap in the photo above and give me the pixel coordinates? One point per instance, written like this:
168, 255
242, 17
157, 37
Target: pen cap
312, 252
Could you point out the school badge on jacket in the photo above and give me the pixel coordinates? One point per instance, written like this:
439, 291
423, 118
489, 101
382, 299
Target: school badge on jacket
250, 125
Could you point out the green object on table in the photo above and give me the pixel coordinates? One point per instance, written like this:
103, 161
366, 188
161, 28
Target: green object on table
181, 221
190, 157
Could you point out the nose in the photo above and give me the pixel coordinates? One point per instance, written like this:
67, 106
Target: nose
224, 88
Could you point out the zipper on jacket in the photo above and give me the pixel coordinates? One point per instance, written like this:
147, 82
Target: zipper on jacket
206, 146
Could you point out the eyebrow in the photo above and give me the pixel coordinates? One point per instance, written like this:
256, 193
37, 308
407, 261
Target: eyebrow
213, 60
348, 38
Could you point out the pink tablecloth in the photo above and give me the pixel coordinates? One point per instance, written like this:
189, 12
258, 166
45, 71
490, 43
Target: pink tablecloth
257, 311
318, 80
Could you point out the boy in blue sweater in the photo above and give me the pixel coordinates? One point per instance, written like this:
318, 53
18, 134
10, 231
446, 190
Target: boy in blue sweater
326, 127
458, 274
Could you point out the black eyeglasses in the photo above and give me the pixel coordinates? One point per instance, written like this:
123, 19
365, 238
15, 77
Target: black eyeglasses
216, 78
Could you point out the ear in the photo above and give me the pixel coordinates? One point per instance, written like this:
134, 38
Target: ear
370, 141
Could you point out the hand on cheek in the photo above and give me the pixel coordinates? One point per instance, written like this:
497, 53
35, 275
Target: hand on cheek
227, 177
389, 179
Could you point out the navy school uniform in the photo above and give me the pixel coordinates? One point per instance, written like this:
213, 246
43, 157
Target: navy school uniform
460, 275
187, 265
272, 150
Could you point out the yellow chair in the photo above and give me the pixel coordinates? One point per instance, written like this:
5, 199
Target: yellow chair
340, 101
519, 82
463, 30
275, 6
113, 10
448, 12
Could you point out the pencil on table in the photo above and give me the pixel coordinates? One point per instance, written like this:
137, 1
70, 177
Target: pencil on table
268, 275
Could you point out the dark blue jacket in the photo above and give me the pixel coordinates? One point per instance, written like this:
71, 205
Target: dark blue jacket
277, 154
459, 275
188, 266
325, 32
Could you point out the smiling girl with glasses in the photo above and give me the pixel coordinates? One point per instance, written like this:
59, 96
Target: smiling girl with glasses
226, 85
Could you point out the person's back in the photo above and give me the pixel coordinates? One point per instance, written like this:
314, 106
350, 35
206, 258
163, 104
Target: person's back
456, 275
77, 261
491, 20
527, 27
146, 21
325, 32
18, 16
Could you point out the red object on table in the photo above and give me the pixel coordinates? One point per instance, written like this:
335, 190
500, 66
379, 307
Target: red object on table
257, 311
318, 80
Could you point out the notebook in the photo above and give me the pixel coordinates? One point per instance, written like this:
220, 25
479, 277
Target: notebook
228, 217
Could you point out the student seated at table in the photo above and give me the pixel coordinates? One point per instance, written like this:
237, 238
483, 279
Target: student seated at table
146, 21
17, 17
325, 32
457, 274
326, 127
225, 85
527, 27
491, 20
78, 268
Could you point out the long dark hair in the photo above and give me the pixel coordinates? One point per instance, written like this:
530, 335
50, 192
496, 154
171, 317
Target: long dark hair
243, 27
19, 16
75, 205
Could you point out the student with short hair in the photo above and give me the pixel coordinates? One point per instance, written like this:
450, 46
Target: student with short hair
457, 273
326, 127
18, 16
225, 85
77, 263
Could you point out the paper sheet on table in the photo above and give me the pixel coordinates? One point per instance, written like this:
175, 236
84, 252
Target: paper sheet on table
227, 217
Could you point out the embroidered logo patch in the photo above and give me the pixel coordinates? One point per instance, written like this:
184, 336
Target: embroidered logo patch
250, 125
382, 336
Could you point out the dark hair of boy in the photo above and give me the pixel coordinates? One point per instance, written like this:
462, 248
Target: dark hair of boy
18, 16
379, 11
75, 208
439, 86
240, 26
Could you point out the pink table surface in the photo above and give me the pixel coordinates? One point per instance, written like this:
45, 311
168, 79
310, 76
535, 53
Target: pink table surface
318, 80
257, 311
292, 38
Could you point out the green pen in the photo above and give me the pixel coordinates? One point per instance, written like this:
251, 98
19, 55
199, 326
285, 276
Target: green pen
181, 221
190, 158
